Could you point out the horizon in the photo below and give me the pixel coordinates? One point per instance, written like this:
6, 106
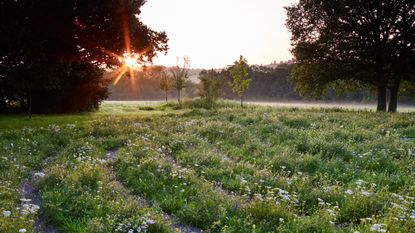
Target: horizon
258, 31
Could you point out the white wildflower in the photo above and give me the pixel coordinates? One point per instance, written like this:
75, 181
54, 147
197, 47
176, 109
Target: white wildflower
22, 230
378, 227
349, 192
150, 221
39, 175
359, 182
366, 193
7, 213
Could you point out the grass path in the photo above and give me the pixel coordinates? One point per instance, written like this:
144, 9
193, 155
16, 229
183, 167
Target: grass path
28, 191
176, 225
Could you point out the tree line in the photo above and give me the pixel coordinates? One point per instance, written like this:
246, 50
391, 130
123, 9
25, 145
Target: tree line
268, 83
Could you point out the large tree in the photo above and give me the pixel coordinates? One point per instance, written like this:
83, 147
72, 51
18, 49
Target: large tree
348, 43
53, 52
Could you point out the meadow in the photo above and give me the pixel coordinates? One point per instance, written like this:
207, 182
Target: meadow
163, 168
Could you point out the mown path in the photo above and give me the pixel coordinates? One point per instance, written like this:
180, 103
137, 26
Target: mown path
30, 195
176, 226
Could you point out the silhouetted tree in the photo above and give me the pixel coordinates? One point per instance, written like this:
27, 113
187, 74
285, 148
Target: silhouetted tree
240, 77
364, 43
53, 51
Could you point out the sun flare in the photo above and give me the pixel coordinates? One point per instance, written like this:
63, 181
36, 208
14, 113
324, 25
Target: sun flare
130, 61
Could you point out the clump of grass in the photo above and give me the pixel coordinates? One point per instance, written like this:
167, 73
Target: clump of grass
146, 108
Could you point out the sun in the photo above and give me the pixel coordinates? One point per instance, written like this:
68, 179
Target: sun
130, 61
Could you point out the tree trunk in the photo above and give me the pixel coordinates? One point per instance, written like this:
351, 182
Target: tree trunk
242, 101
166, 96
381, 98
29, 105
178, 93
393, 99
23, 102
3, 104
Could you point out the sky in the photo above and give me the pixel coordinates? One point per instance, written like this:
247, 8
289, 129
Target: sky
214, 33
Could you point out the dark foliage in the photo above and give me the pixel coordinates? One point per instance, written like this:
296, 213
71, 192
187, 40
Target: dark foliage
357, 43
53, 52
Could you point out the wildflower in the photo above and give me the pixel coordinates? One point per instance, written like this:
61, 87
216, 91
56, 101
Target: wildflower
359, 182
150, 221
281, 220
331, 212
378, 227
22, 230
39, 175
349, 192
7, 213
366, 193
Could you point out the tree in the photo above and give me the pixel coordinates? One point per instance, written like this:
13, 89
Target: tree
165, 82
210, 86
240, 77
363, 43
179, 75
49, 49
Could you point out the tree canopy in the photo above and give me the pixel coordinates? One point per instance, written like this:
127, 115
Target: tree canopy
356, 42
210, 86
53, 52
240, 77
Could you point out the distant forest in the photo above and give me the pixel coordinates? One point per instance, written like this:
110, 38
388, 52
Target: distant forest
269, 83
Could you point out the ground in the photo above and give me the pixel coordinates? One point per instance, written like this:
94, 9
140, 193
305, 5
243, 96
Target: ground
134, 168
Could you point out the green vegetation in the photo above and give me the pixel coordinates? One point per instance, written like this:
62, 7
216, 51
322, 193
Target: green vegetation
160, 168
240, 77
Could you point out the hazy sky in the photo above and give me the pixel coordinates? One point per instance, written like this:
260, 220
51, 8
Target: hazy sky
213, 33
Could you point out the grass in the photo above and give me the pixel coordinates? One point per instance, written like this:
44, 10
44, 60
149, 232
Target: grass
227, 169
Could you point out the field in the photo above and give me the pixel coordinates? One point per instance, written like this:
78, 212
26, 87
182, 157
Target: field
134, 168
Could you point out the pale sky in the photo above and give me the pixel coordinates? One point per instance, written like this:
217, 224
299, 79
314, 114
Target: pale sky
214, 33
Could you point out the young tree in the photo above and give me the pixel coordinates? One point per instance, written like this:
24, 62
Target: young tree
165, 82
370, 43
210, 85
240, 77
179, 75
